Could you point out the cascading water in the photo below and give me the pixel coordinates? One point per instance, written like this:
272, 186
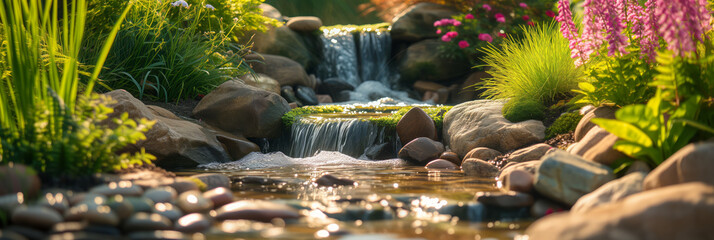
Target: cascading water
374, 50
350, 136
340, 57
356, 57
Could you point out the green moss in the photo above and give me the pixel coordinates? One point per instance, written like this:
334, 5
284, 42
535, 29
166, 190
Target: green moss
289, 118
390, 121
517, 110
377, 27
564, 124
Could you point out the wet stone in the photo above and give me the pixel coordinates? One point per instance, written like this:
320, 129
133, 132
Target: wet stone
140, 204
518, 180
87, 198
160, 194
81, 236
375, 212
258, 180
124, 188
479, 212
11, 201
92, 213
479, 168
58, 202
36, 216
27, 232
441, 164
194, 222
214, 180
123, 209
152, 235
84, 227
482, 153
507, 199
193, 202
219, 196
328, 180
183, 185
10, 235
256, 210
168, 210
451, 157
147, 222
306, 95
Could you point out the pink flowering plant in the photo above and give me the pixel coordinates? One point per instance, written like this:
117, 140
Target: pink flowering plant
489, 22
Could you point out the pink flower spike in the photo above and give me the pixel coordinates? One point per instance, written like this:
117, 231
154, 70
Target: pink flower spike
526, 18
469, 16
463, 44
550, 13
486, 7
452, 34
446, 38
531, 24
456, 23
438, 31
437, 23
485, 37
523, 5
500, 18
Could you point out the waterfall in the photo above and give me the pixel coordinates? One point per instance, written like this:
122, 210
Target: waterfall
356, 58
350, 136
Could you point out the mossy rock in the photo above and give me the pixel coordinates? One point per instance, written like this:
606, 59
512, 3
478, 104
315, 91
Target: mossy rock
518, 110
390, 121
564, 124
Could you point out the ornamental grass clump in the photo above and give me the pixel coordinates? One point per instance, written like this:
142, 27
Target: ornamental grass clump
537, 67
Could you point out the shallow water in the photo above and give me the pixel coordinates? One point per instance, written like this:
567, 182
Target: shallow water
390, 200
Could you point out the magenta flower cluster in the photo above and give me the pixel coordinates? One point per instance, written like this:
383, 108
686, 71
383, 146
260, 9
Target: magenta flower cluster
681, 23
447, 22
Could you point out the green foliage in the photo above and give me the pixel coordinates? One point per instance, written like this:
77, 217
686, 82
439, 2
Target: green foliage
43, 122
390, 121
377, 27
537, 67
564, 124
616, 80
162, 53
289, 117
518, 110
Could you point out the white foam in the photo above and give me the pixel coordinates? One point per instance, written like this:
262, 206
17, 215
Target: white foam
258, 160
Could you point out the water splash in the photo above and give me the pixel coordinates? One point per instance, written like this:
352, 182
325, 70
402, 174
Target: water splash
350, 136
257, 160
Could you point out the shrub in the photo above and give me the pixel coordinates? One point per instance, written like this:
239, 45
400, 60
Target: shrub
518, 110
538, 67
566, 123
43, 122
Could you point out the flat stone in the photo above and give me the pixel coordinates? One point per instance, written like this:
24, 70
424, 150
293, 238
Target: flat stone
597, 146
585, 125
193, 202
441, 164
304, 23
182, 185
81, 236
692, 163
219, 196
328, 180
518, 180
683, 211
94, 198
168, 210
147, 222
483, 153
508, 199
256, 210
163, 235
612, 191
639, 166
27, 232
421, 150
124, 188
92, 213
160, 194
333, 87
11, 201
11, 235
123, 209
36, 216
451, 157
534, 152
417, 21
214, 180
480, 168
140, 204
415, 124
68, 227
16, 178
566, 177
58, 202
194, 222
306, 95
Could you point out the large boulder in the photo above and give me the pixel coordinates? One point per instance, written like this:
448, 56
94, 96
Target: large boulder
304, 23
414, 124
175, 142
284, 70
421, 61
243, 110
283, 41
610, 192
597, 146
262, 81
585, 124
333, 87
417, 22
683, 211
565, 177
270, 11
692, 163
479, 123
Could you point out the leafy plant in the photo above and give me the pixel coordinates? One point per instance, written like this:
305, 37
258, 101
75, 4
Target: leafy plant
538, 67
43, 122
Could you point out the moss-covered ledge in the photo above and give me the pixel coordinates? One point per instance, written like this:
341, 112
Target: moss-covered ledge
377, 27
390, 121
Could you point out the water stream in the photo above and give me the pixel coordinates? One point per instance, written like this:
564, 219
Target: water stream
356, 57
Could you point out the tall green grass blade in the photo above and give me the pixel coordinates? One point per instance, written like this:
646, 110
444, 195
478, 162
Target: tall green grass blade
106, 48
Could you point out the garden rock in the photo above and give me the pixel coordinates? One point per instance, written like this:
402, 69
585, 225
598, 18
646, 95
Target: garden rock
36, 217
479, 123
214, 180
466, 92
260, 110
16, 178
479, 168
191, 223
219, 196
585, 125
417, 22
676, 212
424, 86
160, 194
56, 201
565, 177
304, 24
597, 146
639, 166
124, 188
306, 95
610, 192
381, 151
193, 202
508, 199
175, 143
167, 210
483, 153
421, 62
92, 213
147, 222
421, 150
517, 180
328, 180
288, 93
284, 42
256, 210
323, 98
284, 70
333, 87
270, 11
531, 153
441, 164
262, 81
414, 124
451, 157
692, 163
